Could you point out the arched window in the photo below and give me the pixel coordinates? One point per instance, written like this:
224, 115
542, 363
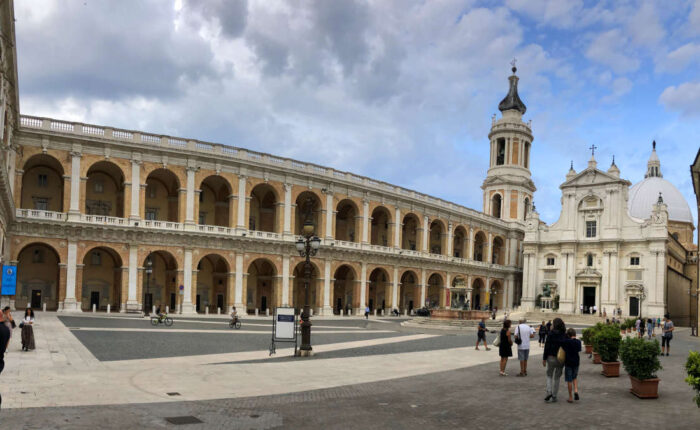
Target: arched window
526, 210
589, 260
500, 151
496, 205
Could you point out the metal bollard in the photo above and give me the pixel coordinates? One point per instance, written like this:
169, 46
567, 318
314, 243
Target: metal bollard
206, 310
94, 308
405, 312
312, 312
256, 312
267, 312
167, 309
153, 311
109, 307
44, 307
218, 311
375, 312
341, 312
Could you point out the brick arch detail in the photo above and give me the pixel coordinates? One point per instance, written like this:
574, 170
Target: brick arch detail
121, 249
275, 260
177, 253
59, 246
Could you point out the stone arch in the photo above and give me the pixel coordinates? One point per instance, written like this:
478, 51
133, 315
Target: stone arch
479, 246
498, 250
437, 236
379, 229
435, 287
297, 295
262, 290
526, 207
214, 202
42, 184
104, 190
308, 203
162, 201
264, 208
102, 280
39, 277
212, 284
348, 221
411, 232
497, 205
496, 294
379, 295
478, 293
344, 289
409, 291
459, 242
158, 287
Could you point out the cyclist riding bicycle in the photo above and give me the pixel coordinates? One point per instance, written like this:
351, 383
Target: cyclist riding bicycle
234, 315
161, 315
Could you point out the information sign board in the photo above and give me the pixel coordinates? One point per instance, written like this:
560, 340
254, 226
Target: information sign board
285, 324
9, 281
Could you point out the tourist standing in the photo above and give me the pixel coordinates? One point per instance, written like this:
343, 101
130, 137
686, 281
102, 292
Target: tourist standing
581, 308
572, 347
8, 321
636, 326
366, 312
523, 334
28, 330
505, 347
555, 339
543, 333
650, 328
667, 335
481, 334
4, 340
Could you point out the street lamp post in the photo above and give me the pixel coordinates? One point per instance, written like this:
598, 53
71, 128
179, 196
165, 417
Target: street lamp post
149, 270
307, 246
693, 316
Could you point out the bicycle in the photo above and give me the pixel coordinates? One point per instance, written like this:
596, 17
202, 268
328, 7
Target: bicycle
164, 319
234, 323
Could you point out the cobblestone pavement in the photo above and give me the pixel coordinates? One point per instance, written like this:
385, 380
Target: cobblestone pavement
473, 397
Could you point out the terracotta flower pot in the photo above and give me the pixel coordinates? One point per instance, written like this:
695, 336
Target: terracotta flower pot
596, 358
645, 388
611, 369
629, 330
589, 349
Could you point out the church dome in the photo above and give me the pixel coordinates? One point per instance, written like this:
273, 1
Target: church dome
645, 194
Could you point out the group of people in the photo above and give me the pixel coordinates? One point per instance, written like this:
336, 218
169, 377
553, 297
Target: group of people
561, 353
7, 324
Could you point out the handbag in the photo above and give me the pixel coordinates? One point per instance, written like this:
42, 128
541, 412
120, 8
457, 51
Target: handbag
518, 340
561, 355
21, 324
12, 323
497, 341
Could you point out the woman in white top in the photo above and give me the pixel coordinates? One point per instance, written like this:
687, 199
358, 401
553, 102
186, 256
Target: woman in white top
28, 330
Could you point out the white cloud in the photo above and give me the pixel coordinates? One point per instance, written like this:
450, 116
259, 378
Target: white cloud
556, 13
644, 27
609, 48
619, 88
684, 98
680, 58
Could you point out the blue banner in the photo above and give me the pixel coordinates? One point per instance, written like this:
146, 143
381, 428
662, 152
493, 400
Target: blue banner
9, 281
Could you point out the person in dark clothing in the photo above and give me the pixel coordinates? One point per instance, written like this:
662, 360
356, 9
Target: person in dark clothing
4, 339
555, 339
572, 347
543, 333
481, 335
505, 348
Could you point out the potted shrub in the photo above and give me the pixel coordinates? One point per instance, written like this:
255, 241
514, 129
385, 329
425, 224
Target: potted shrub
587, 339
641, 360
623, 327
692, 367
607, 341
631, 323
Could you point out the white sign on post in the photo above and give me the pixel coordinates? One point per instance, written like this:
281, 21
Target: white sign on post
284, 323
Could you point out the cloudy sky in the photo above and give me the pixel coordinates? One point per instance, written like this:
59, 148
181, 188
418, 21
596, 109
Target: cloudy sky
398, 90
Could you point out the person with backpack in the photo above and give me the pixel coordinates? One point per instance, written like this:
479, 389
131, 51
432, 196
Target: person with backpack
543, 333
481, 334
555, 339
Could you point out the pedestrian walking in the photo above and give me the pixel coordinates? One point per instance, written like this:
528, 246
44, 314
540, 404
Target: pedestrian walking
4, 340
9, 322
523, 334
366, 312
650, 328
667, 335
28, 330
481, 334
572, 347
543, 333
555, 339
549, 327
658, 322
581, 308
505, 347
636, 326
595, 309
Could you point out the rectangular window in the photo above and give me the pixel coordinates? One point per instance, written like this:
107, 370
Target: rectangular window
202, 218
99, 187
590, 229
41, 204
96, 259
201, 196
589, 260
43, 180
634, 261
38, 256
151, 213
550, 261
500, 151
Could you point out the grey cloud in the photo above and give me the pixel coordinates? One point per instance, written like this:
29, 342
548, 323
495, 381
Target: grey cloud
230, 15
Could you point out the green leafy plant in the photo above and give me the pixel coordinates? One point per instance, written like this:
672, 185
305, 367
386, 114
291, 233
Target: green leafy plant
623, 325
555, 304
640, 357
607, 342
631, 323
587, 335
692, 367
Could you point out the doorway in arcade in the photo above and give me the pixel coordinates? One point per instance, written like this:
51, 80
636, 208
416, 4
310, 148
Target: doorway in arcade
589, 299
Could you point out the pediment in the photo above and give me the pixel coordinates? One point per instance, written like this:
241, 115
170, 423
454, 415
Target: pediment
590, 177
589, 273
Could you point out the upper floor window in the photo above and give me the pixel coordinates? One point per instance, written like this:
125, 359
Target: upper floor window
589, 260
550, 261
43, 180
201, 196
151, 190
99, 187
634, 261
202, 217
96, 259
526, 155
590, 229
41, 204
500, 151
151, 213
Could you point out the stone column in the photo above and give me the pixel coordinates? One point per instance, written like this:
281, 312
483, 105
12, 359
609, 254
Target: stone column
189, 203
133, 300
422, 287
285, 280
426, 228
489, 249
448, 284
70, 304
614, 296
239, 300
187, 306
395, 289
470, 256
193, 293
231, 293
123, 288
231, 211
135, 190
365, 221
79, 286
329, 215
62, 275
327, 309
363, 289
74, 211
397, 228
450, 240
287, 223
242, 197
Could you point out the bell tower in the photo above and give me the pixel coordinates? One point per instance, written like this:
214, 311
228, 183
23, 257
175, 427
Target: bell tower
508, 187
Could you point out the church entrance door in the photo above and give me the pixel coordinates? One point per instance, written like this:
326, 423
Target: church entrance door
634, 306
588, 299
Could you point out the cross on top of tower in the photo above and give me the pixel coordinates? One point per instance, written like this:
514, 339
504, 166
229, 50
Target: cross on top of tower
593, 148
512, 63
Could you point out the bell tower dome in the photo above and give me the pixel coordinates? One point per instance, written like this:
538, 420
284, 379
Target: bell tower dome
508, 187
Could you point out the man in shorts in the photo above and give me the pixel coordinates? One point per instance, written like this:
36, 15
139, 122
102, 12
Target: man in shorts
524, 333
481, 335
